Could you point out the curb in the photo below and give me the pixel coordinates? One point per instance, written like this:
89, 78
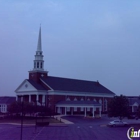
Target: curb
51, 124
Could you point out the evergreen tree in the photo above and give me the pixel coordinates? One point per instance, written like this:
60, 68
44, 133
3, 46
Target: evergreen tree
118, 107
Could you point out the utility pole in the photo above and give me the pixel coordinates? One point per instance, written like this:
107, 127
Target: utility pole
21, 117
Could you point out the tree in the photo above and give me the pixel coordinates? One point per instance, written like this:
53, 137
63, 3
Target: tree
138, 112
118, 107
28, 108
15, 107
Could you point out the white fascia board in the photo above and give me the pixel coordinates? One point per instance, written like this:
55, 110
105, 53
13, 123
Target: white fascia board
20, 85
29, 87
79, 94
46, 84
72, 105
32, 93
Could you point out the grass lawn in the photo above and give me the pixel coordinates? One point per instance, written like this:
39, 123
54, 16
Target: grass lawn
28, 120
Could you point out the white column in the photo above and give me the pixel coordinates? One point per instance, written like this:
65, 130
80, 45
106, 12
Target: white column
65, 110
93, 112
16, 98
21, 98
85, 112
29, 98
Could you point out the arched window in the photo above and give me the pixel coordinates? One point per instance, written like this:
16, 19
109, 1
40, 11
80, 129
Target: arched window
94, 100
75, 99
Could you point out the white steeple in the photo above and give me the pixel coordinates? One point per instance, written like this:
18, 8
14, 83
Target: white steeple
39, 62
39, 46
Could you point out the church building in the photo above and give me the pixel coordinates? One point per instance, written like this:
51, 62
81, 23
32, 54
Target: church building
62, 95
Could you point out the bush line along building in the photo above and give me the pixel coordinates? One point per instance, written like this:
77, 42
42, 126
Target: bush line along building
62, 95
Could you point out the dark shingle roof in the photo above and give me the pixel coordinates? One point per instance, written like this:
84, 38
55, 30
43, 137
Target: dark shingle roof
7, 100
65, 84
81, 103
36, 85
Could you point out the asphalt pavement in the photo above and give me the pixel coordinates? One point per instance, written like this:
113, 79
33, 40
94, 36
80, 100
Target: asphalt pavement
81, 129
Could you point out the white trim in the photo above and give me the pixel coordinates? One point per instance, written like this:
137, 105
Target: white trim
20, 85
38, 70
32, 93
72, 105
79, 94
135, 104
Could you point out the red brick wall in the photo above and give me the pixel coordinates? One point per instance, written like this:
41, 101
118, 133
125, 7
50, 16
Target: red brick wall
57, 98
36, 76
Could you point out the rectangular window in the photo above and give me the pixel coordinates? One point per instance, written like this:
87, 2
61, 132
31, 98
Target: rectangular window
82, 109
68, 108
88, 108
75, 108
58, 110
37, 64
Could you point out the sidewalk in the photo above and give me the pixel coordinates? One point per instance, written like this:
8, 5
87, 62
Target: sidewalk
63, 122
58, 117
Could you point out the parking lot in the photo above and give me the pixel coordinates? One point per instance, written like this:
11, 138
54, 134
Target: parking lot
82, 129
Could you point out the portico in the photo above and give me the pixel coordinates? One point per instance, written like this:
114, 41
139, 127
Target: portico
40, 99
63, 106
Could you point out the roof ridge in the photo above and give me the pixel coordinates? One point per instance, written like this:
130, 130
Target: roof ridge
73, 79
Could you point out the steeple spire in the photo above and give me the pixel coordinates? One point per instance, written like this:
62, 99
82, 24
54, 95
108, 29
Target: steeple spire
39, 62
39, 46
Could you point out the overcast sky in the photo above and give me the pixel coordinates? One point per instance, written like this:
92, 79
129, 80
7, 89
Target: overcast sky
81, 39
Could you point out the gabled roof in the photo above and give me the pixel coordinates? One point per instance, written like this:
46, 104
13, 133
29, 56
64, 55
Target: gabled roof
36, 85
7, 100
132, 101
65, 84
